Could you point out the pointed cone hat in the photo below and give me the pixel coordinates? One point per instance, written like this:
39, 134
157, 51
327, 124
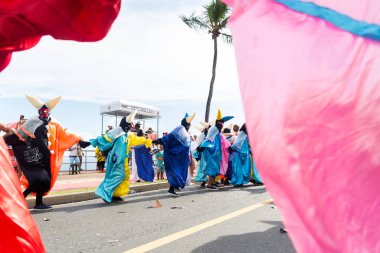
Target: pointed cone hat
131, 116
199, 128
35, 102
221, 118
53, 102
38, 104
190, 118
219, 115
205, 124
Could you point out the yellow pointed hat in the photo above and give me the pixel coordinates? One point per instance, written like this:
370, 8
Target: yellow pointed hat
221, 118
219, 115
38, 104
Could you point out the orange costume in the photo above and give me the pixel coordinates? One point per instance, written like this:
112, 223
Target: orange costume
39, 145
18, 231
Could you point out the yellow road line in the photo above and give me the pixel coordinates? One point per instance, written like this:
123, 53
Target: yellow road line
173, 237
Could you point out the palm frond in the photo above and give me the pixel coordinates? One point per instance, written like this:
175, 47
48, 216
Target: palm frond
195, 22
227, 38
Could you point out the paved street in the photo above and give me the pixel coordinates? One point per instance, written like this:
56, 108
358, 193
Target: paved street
194, 222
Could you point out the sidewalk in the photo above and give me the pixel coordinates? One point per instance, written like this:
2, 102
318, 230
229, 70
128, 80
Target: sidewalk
81, 187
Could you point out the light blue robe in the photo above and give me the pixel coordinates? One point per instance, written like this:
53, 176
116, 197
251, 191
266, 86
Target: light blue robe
240, 159
115, 171
212, 152
201, 172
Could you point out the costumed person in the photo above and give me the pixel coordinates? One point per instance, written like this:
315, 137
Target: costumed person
134, 174
100, 160
160, 163
309, 78
177, 149
230, 137
19, 232
39, 146
201, 176
24, 22
240, 159
143, 160
215, 151
117, 143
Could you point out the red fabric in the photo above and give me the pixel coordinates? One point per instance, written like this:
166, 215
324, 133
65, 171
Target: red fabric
23, 22
18, 231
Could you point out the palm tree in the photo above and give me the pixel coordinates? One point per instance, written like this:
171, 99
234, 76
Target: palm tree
214, 20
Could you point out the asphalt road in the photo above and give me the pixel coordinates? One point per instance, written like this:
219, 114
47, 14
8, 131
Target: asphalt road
228, 220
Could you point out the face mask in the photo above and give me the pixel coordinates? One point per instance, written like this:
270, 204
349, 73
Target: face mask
44, 113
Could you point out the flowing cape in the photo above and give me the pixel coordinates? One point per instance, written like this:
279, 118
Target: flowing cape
23, 22
116, 179
240, 159
176, 158
144, 163
116, 164
18, 231
309, 79
212, 152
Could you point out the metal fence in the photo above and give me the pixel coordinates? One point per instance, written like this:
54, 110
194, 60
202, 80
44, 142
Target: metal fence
88, 160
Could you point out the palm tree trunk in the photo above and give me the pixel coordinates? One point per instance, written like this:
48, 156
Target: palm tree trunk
211, 90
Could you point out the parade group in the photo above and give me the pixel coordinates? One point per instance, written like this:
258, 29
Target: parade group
222, 155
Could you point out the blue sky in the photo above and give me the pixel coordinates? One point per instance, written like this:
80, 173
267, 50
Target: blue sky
149, 56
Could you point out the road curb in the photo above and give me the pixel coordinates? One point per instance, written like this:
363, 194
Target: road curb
89, 195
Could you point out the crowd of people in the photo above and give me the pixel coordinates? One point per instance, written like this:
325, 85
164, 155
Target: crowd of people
218, 156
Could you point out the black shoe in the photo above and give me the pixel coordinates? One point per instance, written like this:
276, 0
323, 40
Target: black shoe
172, 192
115, 199
42, 207
226, 182
217, 185
203, 184
211, 188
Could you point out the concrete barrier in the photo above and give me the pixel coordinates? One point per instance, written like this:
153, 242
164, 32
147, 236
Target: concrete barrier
83, 196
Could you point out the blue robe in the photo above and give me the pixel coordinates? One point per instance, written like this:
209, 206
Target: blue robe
115, 170
255, 173
144, 163
176, 159
240, 159
212, 152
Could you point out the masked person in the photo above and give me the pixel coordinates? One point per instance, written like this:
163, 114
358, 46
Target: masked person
215, 151
201, 175
177, 154
117, 143
39, 145
240, 159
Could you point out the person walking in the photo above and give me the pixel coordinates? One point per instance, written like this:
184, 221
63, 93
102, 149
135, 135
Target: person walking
177, 147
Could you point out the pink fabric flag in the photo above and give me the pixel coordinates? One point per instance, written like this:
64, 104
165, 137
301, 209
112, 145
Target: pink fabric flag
311, 94
225, 155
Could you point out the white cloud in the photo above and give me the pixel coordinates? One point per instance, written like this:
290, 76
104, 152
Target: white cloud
148, 55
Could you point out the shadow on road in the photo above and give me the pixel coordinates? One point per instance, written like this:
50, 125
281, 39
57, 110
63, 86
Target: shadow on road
151, 196
270, 240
